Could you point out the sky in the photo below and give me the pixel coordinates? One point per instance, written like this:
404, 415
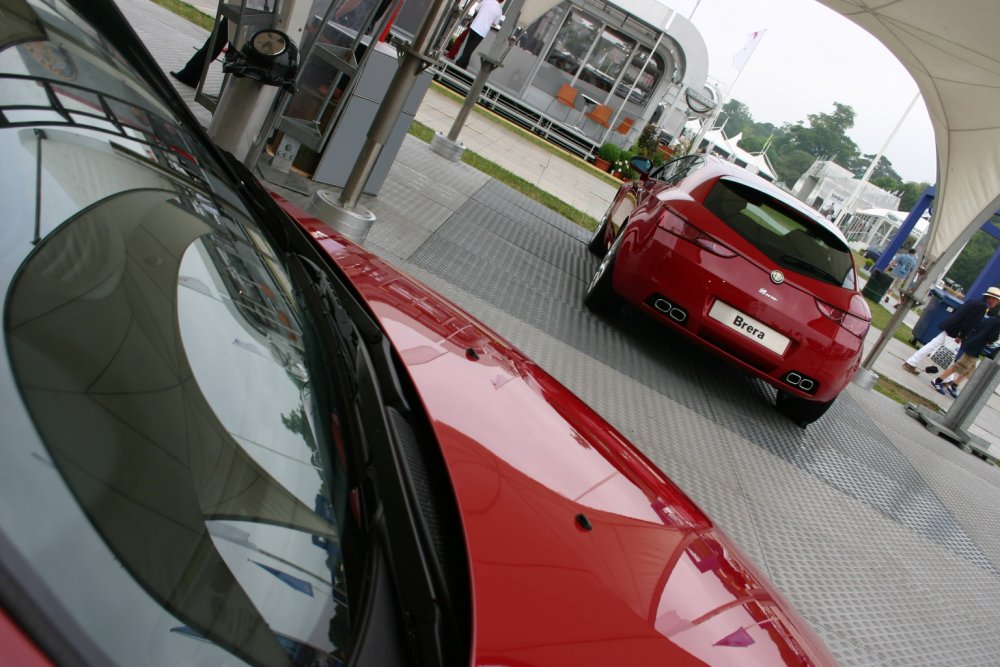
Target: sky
809, 58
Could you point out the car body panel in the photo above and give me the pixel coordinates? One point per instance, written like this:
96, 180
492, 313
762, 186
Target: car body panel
18, 649
548, 591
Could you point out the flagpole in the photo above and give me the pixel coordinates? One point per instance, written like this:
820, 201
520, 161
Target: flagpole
705, 127
853, 198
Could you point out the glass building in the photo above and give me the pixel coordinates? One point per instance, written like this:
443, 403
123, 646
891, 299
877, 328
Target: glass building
594, 71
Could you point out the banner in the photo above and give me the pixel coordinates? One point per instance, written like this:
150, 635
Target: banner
743, 55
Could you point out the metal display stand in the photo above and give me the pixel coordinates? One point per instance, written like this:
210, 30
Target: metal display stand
331, 56
345, 142
243, 22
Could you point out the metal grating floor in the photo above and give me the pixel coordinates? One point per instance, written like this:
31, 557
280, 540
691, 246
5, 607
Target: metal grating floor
868, 546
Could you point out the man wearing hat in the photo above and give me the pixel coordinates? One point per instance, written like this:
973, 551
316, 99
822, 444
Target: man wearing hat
984, 333
958, 325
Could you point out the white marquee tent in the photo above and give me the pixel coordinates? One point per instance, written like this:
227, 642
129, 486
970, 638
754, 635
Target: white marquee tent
953, 52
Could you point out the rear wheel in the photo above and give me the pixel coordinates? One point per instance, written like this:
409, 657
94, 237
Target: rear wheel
616, 216
600, 297
801, 411
596, 243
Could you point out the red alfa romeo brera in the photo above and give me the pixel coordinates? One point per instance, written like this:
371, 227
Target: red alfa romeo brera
742, 268
230, 436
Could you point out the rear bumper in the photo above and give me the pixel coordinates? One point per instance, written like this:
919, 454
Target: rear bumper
677, 283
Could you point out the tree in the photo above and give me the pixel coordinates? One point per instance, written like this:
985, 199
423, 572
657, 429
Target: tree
887, 183
971, 261
826, 138
752, 143
794, 147
882, 170
911, 193
791, 163
737, 117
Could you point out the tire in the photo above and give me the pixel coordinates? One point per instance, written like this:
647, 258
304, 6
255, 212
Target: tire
596, 243
621, 208
799, 410
600, 297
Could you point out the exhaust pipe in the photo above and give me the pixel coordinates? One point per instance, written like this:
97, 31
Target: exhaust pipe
676, 313
802, 382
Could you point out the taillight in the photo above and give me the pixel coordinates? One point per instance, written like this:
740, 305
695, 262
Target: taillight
856, 322
671, 222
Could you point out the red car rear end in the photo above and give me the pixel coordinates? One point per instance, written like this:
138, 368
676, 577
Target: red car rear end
744, 270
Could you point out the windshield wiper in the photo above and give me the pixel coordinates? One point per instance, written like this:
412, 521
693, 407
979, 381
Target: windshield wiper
404, 473
349, 323
799, 263
333, 313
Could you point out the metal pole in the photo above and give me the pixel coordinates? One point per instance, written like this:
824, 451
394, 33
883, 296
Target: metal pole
413, 62
675, 134
705, 127
907, 301
970, 402
489, 63
871, 167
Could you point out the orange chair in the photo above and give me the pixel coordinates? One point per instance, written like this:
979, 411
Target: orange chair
601, 115
567, 96
626, 126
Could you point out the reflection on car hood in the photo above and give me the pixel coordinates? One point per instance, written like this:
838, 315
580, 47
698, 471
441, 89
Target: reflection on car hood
581, 551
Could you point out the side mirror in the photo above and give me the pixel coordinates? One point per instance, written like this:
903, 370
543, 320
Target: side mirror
643, 165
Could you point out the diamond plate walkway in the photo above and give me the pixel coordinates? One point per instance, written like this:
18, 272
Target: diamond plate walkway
884, 536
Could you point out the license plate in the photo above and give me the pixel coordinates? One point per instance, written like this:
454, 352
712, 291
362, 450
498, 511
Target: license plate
748, 327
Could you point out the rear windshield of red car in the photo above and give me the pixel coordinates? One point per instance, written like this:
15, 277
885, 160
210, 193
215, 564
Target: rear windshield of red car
784, 235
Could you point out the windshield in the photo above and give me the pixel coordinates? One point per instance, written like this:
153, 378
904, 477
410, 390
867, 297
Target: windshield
162, 360
786, 236
174, 485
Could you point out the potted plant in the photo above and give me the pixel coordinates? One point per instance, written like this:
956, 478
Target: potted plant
606, 156
621, 168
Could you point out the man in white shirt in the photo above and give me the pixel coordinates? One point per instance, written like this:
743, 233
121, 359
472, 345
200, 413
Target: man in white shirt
489, 13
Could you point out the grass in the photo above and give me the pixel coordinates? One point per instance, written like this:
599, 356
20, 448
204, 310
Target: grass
186, 11
902, 395
884, 385
513, 181
880, 318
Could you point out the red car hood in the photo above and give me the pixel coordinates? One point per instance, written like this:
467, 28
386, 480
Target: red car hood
581, 551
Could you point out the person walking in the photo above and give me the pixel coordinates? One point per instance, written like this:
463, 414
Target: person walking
900, 268
489, 13
190, 74
957, 325
982, 334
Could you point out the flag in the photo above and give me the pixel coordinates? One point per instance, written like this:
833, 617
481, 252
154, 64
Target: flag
743, 55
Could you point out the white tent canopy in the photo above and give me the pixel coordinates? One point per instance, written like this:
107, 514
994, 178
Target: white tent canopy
756, 162
953, 53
